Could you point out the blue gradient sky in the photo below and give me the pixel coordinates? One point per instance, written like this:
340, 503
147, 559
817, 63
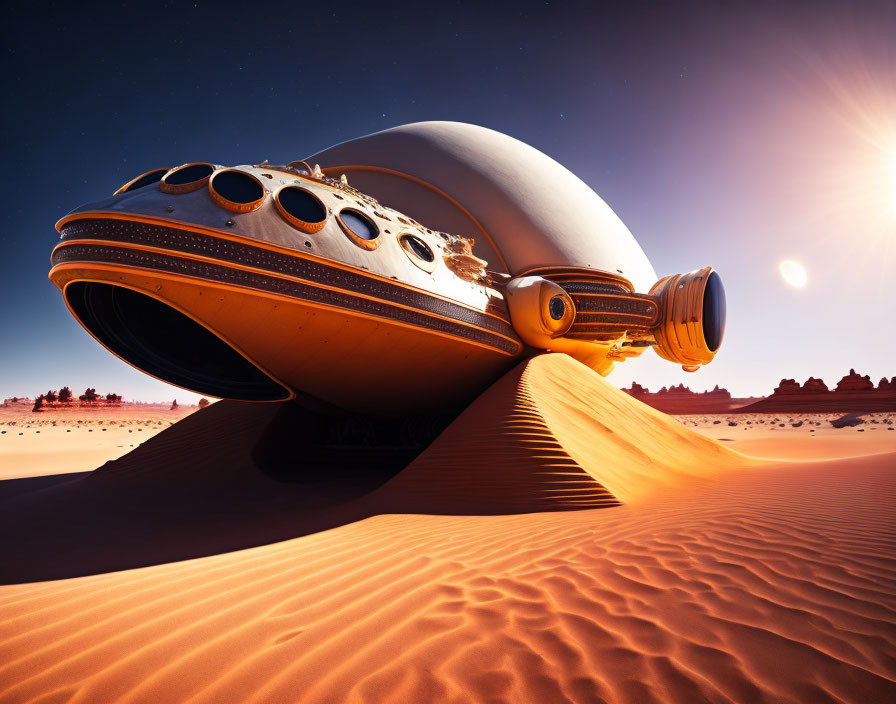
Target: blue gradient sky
723, 135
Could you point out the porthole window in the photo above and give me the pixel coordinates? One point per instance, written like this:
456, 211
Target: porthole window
142, 180
301, 209
186, 178
359, 228
418, 252
238, 191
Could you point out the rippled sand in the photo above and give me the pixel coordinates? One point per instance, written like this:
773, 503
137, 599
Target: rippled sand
740, 580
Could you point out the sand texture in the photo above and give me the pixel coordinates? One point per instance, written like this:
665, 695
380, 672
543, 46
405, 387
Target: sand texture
553, 435
76, 440
185, 572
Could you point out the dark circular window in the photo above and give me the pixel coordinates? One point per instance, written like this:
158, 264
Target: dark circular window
146, 179
417, 247
715, 311
359, 228
236, 190
237, 186
189, 174
186, 178
301, 208
557, 308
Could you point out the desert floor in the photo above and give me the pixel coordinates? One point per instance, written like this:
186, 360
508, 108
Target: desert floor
764, 581
58, 442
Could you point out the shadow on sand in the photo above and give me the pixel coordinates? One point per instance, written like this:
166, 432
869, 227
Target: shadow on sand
237, 475
232, 476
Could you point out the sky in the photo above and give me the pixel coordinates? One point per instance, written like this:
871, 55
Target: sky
736, 135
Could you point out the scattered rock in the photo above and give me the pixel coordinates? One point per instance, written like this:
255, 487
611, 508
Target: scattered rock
848, 421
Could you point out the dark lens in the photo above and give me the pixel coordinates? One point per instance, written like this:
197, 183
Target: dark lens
419, 247
302, 205
714, 312
189, 174
359, 224
237, 187
557, 308
146, 179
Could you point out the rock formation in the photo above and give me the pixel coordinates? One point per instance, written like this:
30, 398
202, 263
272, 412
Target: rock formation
853, 382
853, 393
680, 400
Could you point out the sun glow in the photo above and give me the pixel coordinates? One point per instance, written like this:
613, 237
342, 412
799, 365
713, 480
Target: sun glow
893, 178
793, 273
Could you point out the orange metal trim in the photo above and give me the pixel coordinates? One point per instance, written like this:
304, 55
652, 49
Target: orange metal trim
360, 241
584, 272
265, 272
179, 188
203, 230
100, 267
580, 313
309, 228
266, 294
134, 180
229, 204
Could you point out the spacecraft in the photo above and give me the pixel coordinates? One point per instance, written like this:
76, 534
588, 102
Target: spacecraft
398, 273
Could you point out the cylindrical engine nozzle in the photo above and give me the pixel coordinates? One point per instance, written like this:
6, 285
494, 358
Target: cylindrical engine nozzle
692, 317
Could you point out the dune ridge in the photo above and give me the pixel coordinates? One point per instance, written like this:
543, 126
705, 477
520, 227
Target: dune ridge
549, 435
554, 435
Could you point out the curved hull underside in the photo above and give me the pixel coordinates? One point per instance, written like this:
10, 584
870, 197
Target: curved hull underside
202, 310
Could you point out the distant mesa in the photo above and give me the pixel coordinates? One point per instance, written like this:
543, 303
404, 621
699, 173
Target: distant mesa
21, 402
853, 393
680, 400
854, 382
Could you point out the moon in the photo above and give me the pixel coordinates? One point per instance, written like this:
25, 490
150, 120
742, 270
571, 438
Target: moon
793, 273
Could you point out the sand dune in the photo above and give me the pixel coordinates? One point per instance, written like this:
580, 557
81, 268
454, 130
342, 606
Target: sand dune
713, 579
775, 585
553, 435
